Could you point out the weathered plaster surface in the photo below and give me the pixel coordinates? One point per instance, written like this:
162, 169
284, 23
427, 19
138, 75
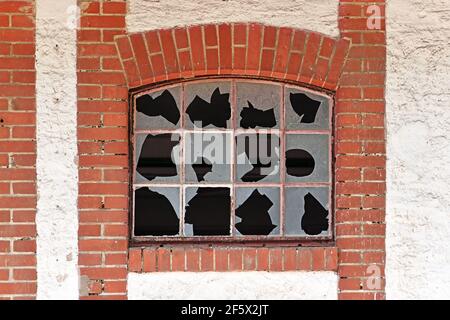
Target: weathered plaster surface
418, 136
317, 15
232, 285
57, 174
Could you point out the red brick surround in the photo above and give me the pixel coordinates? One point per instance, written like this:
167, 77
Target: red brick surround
109, 67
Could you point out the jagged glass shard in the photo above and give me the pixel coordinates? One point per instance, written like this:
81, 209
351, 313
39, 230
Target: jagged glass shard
305, 107
156, 156
208, 105
254, 214
306, 211
305, 110
252, 117
257, 157
156, 212
307, 158
258, 105
208, 211
202, 168
158, 110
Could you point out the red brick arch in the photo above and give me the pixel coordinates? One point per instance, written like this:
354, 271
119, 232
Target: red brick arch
244, 49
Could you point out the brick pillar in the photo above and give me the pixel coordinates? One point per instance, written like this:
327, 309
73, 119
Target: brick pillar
103, 149
361, 154
17, 151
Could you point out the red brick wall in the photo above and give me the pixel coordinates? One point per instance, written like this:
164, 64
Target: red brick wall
361, 153
354, 70
102, 144
17, 151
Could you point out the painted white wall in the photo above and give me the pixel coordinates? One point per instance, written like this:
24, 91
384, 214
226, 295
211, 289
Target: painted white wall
57, 173
418, 127
232, 285
317, 15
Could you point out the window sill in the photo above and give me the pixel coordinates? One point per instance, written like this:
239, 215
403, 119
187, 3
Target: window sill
223, 259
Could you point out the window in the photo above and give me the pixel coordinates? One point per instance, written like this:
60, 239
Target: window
231, 159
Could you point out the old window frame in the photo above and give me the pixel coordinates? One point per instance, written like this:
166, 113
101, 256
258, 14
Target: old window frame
233, 239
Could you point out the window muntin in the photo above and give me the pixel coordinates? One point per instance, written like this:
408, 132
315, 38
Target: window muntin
178, 194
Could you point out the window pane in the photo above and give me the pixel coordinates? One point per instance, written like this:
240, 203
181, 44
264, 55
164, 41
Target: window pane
258, 157
305, 110
157, 158
307, 158
159, 110
257, 211
207, 211
208, 105
306, 211
157, 211
207, 157
258, 105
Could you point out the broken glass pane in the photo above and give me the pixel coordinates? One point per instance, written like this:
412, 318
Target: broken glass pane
208, 105
258, 157
306, 110
207, 211
258, 105
307, 158
157, 211
208, 157
257, 211
306, 211
157, 158
158, 110
200, 191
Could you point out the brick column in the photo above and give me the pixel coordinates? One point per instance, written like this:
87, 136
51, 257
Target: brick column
17, 151
361, 155
103, 149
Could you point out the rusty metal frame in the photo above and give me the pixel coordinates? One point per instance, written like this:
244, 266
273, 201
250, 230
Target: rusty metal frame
278, 240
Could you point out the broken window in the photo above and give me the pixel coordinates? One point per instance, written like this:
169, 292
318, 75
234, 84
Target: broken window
237, 158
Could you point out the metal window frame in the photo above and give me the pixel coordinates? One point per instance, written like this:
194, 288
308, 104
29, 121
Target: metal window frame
279, 240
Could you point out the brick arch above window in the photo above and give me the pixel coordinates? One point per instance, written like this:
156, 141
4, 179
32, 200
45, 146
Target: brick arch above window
245, 49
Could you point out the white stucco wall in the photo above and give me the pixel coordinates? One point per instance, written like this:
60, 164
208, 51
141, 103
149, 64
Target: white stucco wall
418, 127
317, 15
233, 285
57, 173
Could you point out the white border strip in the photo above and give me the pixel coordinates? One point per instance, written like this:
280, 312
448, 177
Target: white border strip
56, 164
296, 285
320, 15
